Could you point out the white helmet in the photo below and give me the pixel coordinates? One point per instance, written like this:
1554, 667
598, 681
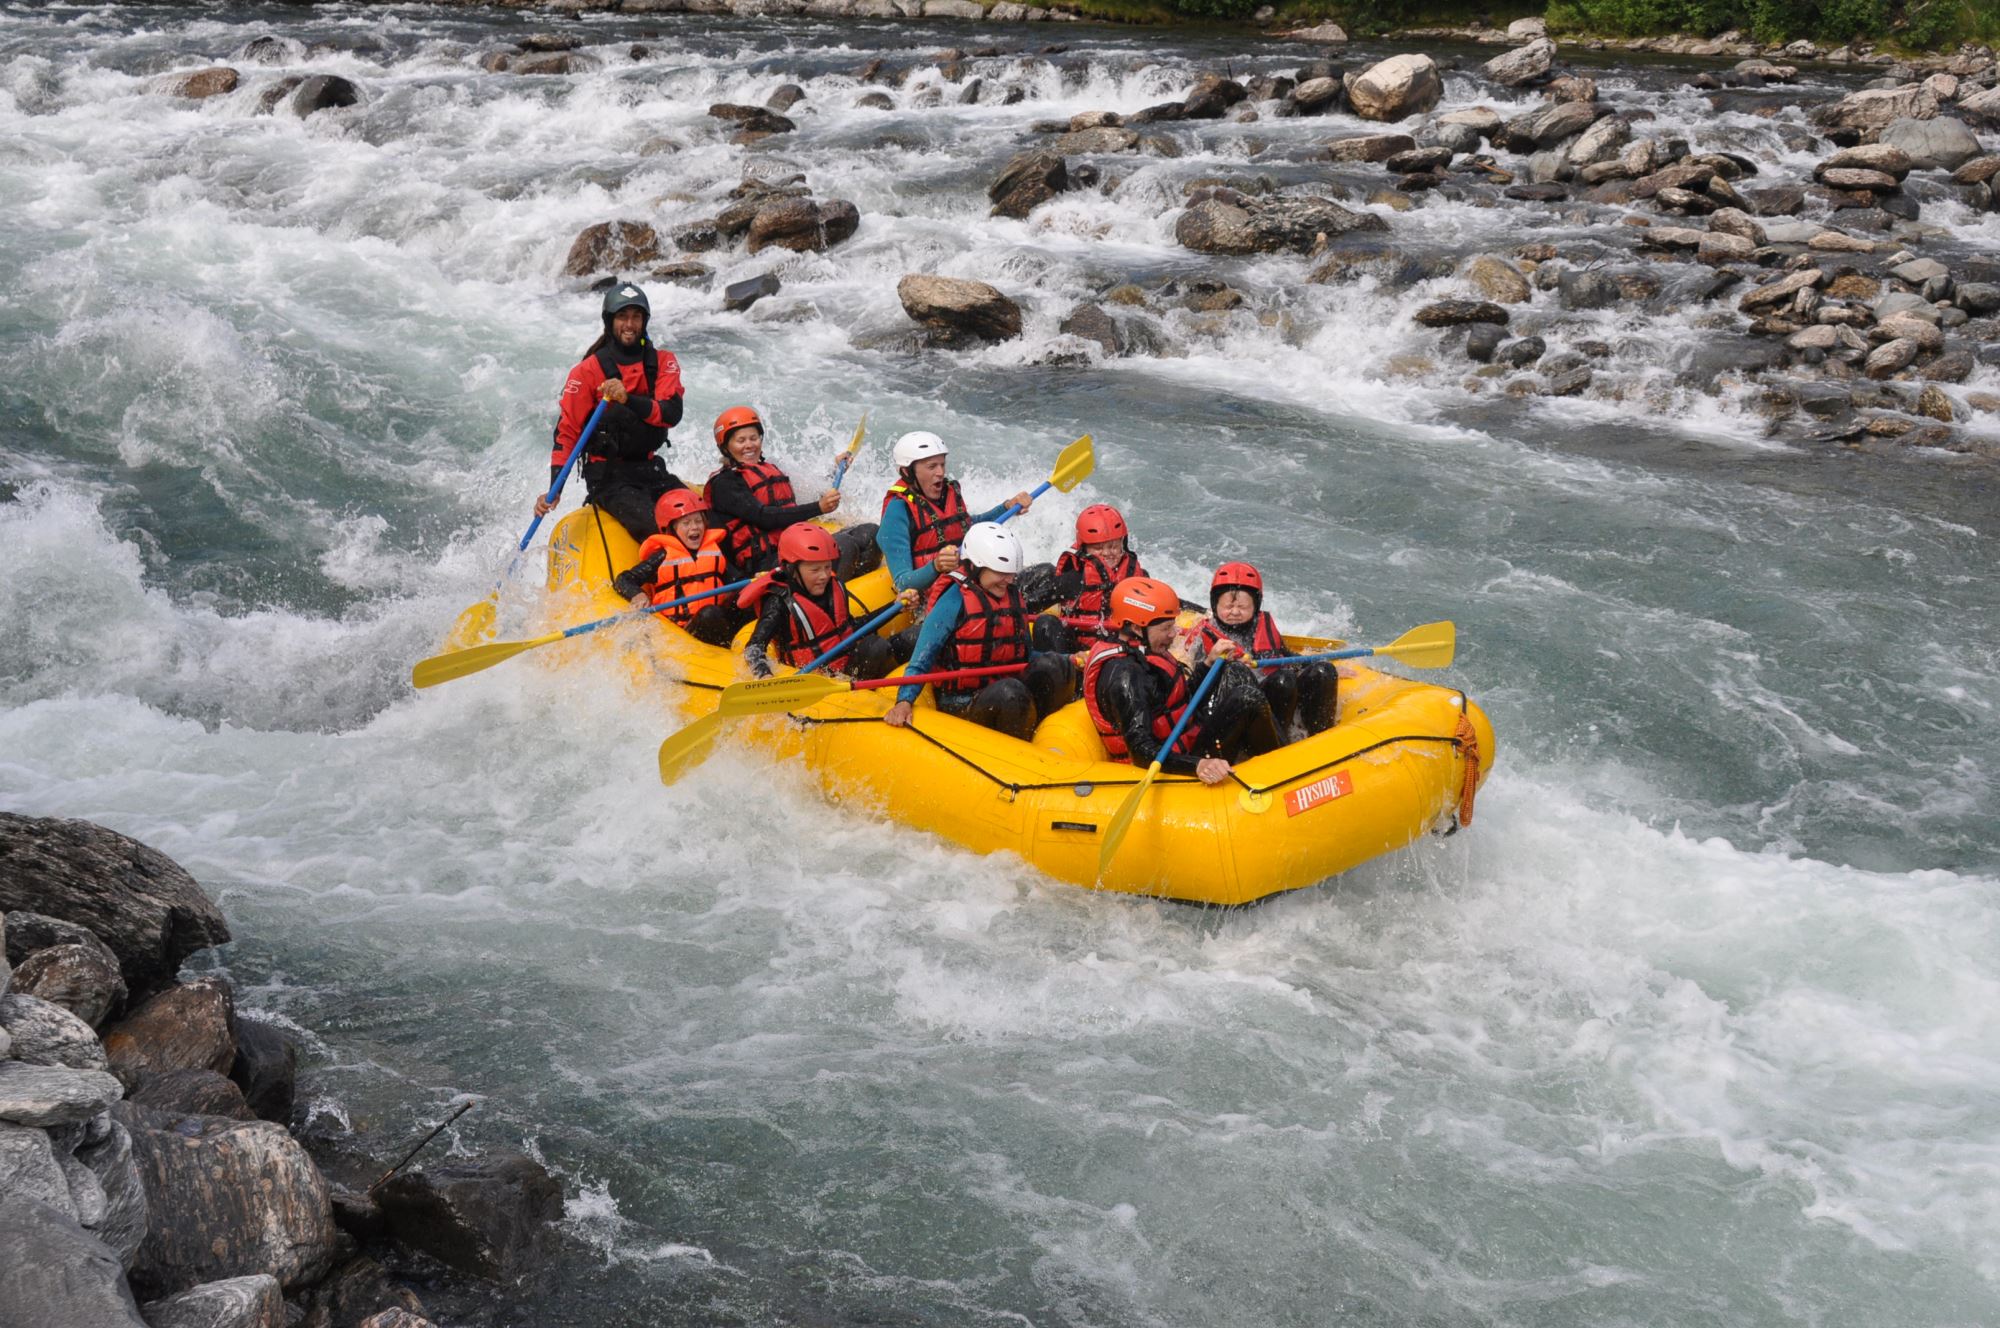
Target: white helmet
914, 447
991, 545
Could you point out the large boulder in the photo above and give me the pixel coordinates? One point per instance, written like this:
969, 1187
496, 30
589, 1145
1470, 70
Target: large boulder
612, 246
137, 901
1268, 225
83, 979
1981, 107
183, 1028
1212, 96
256, 1301
1876, 108
227, 1198
489, 1217
1312, 96
266, 1069
1940, 144
45, 1095
957, 308
323, 92
57, 1275
1026, 182
41, 1033
802, 225
1522, 65
1395, 89
1602, 142
1546, 126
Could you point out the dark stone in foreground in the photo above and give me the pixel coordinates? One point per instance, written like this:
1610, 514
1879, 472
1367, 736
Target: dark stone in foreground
323, 92
135, 900
488, 1217
740, 295
54, 1274
266, 1069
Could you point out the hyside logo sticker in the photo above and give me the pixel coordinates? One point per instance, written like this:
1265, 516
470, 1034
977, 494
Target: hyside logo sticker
1308, 796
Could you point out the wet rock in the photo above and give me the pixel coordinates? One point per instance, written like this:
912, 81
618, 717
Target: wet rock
784, 97
28, 932
740, 295
41, 1033
1671, 237
193, 1093
1772, 294
1453, 313
875, 101
751, 119
1685, 201
1524, 353
1851, 178
1601, 142
1370, 147
1395, 89
1164, 111
1498, 280
1092, 323
1683, 175
1027, 181
267, 1062
1419, 160
957, 308
611, 247
358, 1288
1567, 374
1722, 247
1103, 139
1537, 193
1891, 358
58, 1275
1390, 266
1926, 336
1581, 289
1313, 96
323, 92
1940, 144
229, 1199
1933, 403
1883, 157
110, 1161
1979, 297
199, 84
1546, 126
256, 1301
685, 273
1270, 225
488, 1217
1919, 271
45, 1095
1573, 87
182, 1028
1482, 340
1522, 65
28, 1169
802, 225
82, 979
1981, 107
1212, 95
561, 64
1954, 366
138, 902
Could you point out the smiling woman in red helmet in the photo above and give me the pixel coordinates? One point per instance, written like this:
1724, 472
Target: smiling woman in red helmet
1305, 692
755, 502
1101, 557
641, 386
974, 618
803, 609
1136, 692
685, 558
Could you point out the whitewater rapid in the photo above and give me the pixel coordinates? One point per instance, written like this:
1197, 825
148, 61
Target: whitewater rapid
1695, 1025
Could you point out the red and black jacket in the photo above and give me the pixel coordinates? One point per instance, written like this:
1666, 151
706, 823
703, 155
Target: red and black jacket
1085, 583
933, 526
756, 504
630, 434
992, 629
1259, 637
797, 627
1135, 697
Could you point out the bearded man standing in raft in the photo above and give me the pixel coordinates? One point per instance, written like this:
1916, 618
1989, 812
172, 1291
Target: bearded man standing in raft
623, 472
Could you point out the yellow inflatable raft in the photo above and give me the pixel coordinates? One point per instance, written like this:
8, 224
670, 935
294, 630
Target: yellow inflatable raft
1404, 759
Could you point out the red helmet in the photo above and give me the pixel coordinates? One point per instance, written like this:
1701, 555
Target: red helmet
1236, 576
807, 543
1098, 523
675, 504
1141, 601
736, 417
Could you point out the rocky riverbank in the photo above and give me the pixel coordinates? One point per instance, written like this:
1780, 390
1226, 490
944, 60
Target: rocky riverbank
149, 1176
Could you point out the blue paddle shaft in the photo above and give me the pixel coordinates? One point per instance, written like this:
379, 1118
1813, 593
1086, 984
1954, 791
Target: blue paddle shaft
1014, 510
562, 476
581, 628
1194, 704
1352, 652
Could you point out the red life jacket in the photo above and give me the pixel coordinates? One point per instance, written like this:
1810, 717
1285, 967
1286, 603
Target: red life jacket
1168, 715
684, 573
641, 376
810, 629
1086, 612
932, 527
749, 545
1265, 642
992, 629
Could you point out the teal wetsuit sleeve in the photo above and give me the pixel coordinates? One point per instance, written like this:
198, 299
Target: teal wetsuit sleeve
991, 514
941, 622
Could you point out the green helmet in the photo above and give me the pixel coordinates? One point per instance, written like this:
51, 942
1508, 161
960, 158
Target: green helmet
625, 295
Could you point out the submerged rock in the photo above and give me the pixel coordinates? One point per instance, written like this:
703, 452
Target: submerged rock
740, 295
489, 1217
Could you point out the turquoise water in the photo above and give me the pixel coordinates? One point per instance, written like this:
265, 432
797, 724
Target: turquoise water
1694, 1026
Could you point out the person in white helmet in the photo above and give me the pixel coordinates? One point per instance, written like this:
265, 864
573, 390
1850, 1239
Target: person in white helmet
975, 618
924, 516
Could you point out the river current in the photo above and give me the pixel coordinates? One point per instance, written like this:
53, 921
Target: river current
1698, 1024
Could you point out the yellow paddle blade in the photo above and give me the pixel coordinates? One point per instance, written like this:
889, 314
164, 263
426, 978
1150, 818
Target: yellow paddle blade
689, 748
1428, 647
1312, 645
1114, 834
476, 623
854, 444
1074, 465
767, 695
457, 663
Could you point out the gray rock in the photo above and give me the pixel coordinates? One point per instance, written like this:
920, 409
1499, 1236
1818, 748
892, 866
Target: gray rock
488, 1217
123, 1227
740, 295
1522, 354
56, 1275
1313, 96
784, 97
1896, 303
1891, 357
1602, 142
27, 932
1269, 225
28, 1169
1370, 147
53, 1094
256, 1301
1546, 126
1522, 65
751, 119
1920, 270
1027, 181
83, 979
1579, 289
1941, 144
1882, 157
230, 1199
1482, 340
85, 1193
137, 901
356, 1289
1874, 109
1101, 139
1419, 159
1212, 95
323, 92
1093, 323
954, 308
1979, 297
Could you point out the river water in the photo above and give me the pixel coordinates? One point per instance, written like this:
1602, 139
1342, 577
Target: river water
1697, 1025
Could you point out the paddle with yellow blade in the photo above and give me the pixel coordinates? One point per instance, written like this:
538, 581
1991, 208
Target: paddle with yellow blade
686, 749
476, 622
1428, 647
796, 691
457, 663
845, 459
